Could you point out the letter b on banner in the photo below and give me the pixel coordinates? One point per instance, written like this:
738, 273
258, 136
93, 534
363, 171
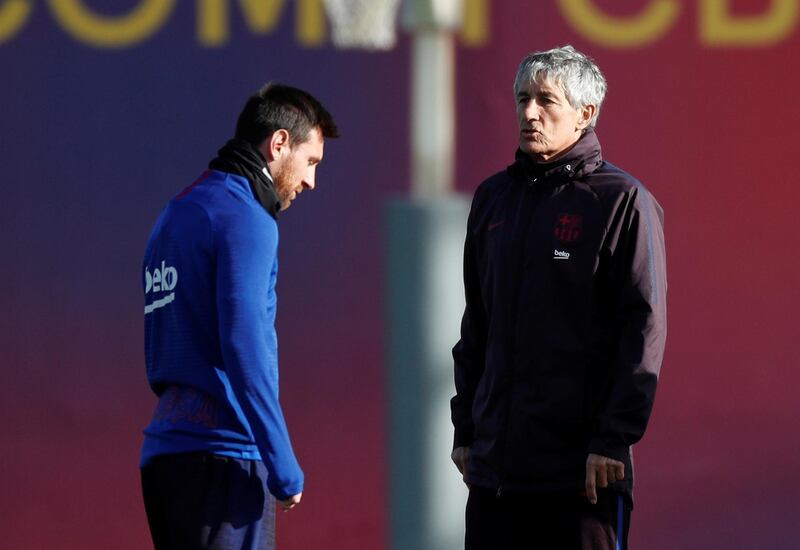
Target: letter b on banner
720, 28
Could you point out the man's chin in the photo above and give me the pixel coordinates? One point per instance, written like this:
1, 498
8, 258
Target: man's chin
287, 199
531, 148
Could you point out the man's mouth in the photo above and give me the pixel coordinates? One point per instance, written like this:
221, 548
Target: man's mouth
530, 133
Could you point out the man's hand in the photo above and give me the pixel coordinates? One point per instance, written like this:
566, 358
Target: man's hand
291, 502
600, 472
460, 457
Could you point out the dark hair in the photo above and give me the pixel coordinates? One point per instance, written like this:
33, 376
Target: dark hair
276, 107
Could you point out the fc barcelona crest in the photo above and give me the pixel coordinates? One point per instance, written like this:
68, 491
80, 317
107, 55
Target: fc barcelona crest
569, 228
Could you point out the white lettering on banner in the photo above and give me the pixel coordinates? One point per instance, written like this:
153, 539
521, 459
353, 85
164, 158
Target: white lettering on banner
162, 279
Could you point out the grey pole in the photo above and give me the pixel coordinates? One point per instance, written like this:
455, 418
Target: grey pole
425, 298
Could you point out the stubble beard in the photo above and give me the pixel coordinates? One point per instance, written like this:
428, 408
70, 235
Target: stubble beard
536, 146
284, 187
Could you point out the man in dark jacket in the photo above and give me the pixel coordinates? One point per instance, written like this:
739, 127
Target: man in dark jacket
564, 328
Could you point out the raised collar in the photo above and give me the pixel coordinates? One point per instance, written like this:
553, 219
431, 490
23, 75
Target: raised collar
583, 158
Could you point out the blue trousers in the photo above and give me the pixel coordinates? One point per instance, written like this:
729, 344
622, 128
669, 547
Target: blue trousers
209, 502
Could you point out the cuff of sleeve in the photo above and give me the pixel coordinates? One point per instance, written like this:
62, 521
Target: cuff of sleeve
462, 439
286, 492
610, 450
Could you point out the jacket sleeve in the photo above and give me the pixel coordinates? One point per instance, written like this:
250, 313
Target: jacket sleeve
638, 309
246, 271
469, 353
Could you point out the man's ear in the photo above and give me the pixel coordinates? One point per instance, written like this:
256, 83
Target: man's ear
585, 116
276, 145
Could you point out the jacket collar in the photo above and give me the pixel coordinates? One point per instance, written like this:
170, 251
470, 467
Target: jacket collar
584, 158
244, 159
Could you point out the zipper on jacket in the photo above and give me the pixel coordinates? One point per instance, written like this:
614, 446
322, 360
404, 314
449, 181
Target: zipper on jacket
499, 492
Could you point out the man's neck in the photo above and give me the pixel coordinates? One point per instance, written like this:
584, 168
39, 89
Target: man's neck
541, 159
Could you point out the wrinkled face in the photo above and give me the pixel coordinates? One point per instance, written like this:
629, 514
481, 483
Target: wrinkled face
297, 169
548, 124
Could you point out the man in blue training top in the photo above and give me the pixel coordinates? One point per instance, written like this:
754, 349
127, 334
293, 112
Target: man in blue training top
217, 445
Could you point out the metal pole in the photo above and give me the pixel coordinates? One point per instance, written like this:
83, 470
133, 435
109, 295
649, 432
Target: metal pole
432, 114
432, 23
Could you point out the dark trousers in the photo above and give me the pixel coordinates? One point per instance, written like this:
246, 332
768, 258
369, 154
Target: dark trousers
209, 502
547, 521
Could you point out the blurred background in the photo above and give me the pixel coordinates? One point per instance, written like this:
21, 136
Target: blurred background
110, 108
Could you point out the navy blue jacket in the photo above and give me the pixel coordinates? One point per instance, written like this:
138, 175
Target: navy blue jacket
565, 322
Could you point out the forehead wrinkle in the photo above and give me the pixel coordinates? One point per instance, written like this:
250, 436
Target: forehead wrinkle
540, 88
554, 84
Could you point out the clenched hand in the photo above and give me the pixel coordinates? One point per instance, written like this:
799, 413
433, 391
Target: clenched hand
460, 457
601, 471
291, 502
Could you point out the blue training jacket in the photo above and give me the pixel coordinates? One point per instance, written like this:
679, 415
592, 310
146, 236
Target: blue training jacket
210, 343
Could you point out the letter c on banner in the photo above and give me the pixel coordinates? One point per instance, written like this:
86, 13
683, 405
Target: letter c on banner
112, 32
621, 32
13, 14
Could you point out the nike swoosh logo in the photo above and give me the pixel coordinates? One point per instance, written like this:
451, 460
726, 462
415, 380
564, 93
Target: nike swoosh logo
496, 224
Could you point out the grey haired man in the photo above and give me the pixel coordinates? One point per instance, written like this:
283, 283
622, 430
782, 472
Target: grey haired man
563, 333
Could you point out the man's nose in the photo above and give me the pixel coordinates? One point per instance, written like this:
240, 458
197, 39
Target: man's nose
531, 111
309, 181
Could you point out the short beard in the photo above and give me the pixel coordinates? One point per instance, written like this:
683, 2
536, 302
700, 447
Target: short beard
283, 181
